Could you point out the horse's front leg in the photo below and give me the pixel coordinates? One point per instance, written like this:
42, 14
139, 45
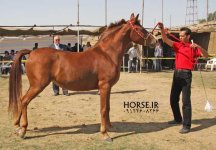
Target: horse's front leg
105, 89
108, 123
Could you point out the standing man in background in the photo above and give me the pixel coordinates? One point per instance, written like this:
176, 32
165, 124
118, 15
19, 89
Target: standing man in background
88, 44
56, 44
186, 54
158, 53
35, 46
133, 61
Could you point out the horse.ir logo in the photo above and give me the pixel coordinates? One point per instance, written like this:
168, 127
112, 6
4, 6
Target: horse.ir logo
141, 106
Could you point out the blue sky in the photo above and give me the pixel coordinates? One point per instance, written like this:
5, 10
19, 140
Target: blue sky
55, 12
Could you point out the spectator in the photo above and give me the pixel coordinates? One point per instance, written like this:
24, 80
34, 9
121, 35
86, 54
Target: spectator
57, 45
12, 54
88, 44
75, 48
69, 48
133, 61
1, 58
35, 47
7, 56
7, 64
158, 53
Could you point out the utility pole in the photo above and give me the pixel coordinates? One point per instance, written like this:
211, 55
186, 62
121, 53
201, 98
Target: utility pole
78, 36
142, 46
142, 11
105, 12
162, 11
207, 12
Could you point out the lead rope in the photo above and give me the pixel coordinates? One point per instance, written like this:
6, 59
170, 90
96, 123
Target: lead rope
208, 106
203, 84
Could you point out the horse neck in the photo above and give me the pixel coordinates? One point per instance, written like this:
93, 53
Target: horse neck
115, 43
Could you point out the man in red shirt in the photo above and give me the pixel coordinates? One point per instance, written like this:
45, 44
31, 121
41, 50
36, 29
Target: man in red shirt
186, 54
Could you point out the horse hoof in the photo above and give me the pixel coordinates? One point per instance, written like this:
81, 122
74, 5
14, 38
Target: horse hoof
20, 133
108, 139
17, 130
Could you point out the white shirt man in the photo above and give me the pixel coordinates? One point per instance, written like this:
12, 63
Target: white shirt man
133, 62
158, 53
132, 52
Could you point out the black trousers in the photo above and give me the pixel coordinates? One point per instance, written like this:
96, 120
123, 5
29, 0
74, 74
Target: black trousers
133, 65
56, 89
181, 83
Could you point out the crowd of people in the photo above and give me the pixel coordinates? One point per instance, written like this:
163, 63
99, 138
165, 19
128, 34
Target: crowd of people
70, 48
8, 56
6, 61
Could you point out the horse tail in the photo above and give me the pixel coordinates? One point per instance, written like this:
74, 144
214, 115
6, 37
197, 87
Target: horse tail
15, 83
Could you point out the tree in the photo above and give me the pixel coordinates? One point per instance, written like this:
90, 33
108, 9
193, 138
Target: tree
211, 16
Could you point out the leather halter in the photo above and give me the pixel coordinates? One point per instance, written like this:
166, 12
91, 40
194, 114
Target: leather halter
139, 33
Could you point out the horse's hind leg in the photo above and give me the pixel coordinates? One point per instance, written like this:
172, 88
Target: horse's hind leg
26, 99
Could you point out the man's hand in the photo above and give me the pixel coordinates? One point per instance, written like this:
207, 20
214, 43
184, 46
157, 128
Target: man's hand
160, 25
194, 46
164, 36
203, 51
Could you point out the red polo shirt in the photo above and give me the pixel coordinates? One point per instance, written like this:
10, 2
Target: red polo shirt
185, 56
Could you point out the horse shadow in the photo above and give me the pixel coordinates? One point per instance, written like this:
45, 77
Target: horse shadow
127, 128
126, 92
96, 92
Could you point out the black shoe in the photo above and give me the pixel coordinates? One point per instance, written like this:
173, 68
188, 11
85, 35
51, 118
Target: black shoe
184, 130
66, 94
56, 94
174, 122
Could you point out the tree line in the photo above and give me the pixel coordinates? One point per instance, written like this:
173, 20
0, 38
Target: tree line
211, 17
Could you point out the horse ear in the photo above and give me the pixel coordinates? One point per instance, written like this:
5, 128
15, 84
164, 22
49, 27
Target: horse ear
137, 17
132, 16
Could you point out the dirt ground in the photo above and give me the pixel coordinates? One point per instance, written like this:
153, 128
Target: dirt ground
72, 122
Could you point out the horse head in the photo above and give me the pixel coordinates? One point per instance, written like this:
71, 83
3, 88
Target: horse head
140, 35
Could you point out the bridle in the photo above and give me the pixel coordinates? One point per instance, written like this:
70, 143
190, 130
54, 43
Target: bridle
141, 34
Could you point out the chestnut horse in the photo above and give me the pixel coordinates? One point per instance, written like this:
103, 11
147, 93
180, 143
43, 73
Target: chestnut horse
96, 68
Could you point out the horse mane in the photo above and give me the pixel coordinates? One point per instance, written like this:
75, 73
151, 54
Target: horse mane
111, 28
119, 23
116, 24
